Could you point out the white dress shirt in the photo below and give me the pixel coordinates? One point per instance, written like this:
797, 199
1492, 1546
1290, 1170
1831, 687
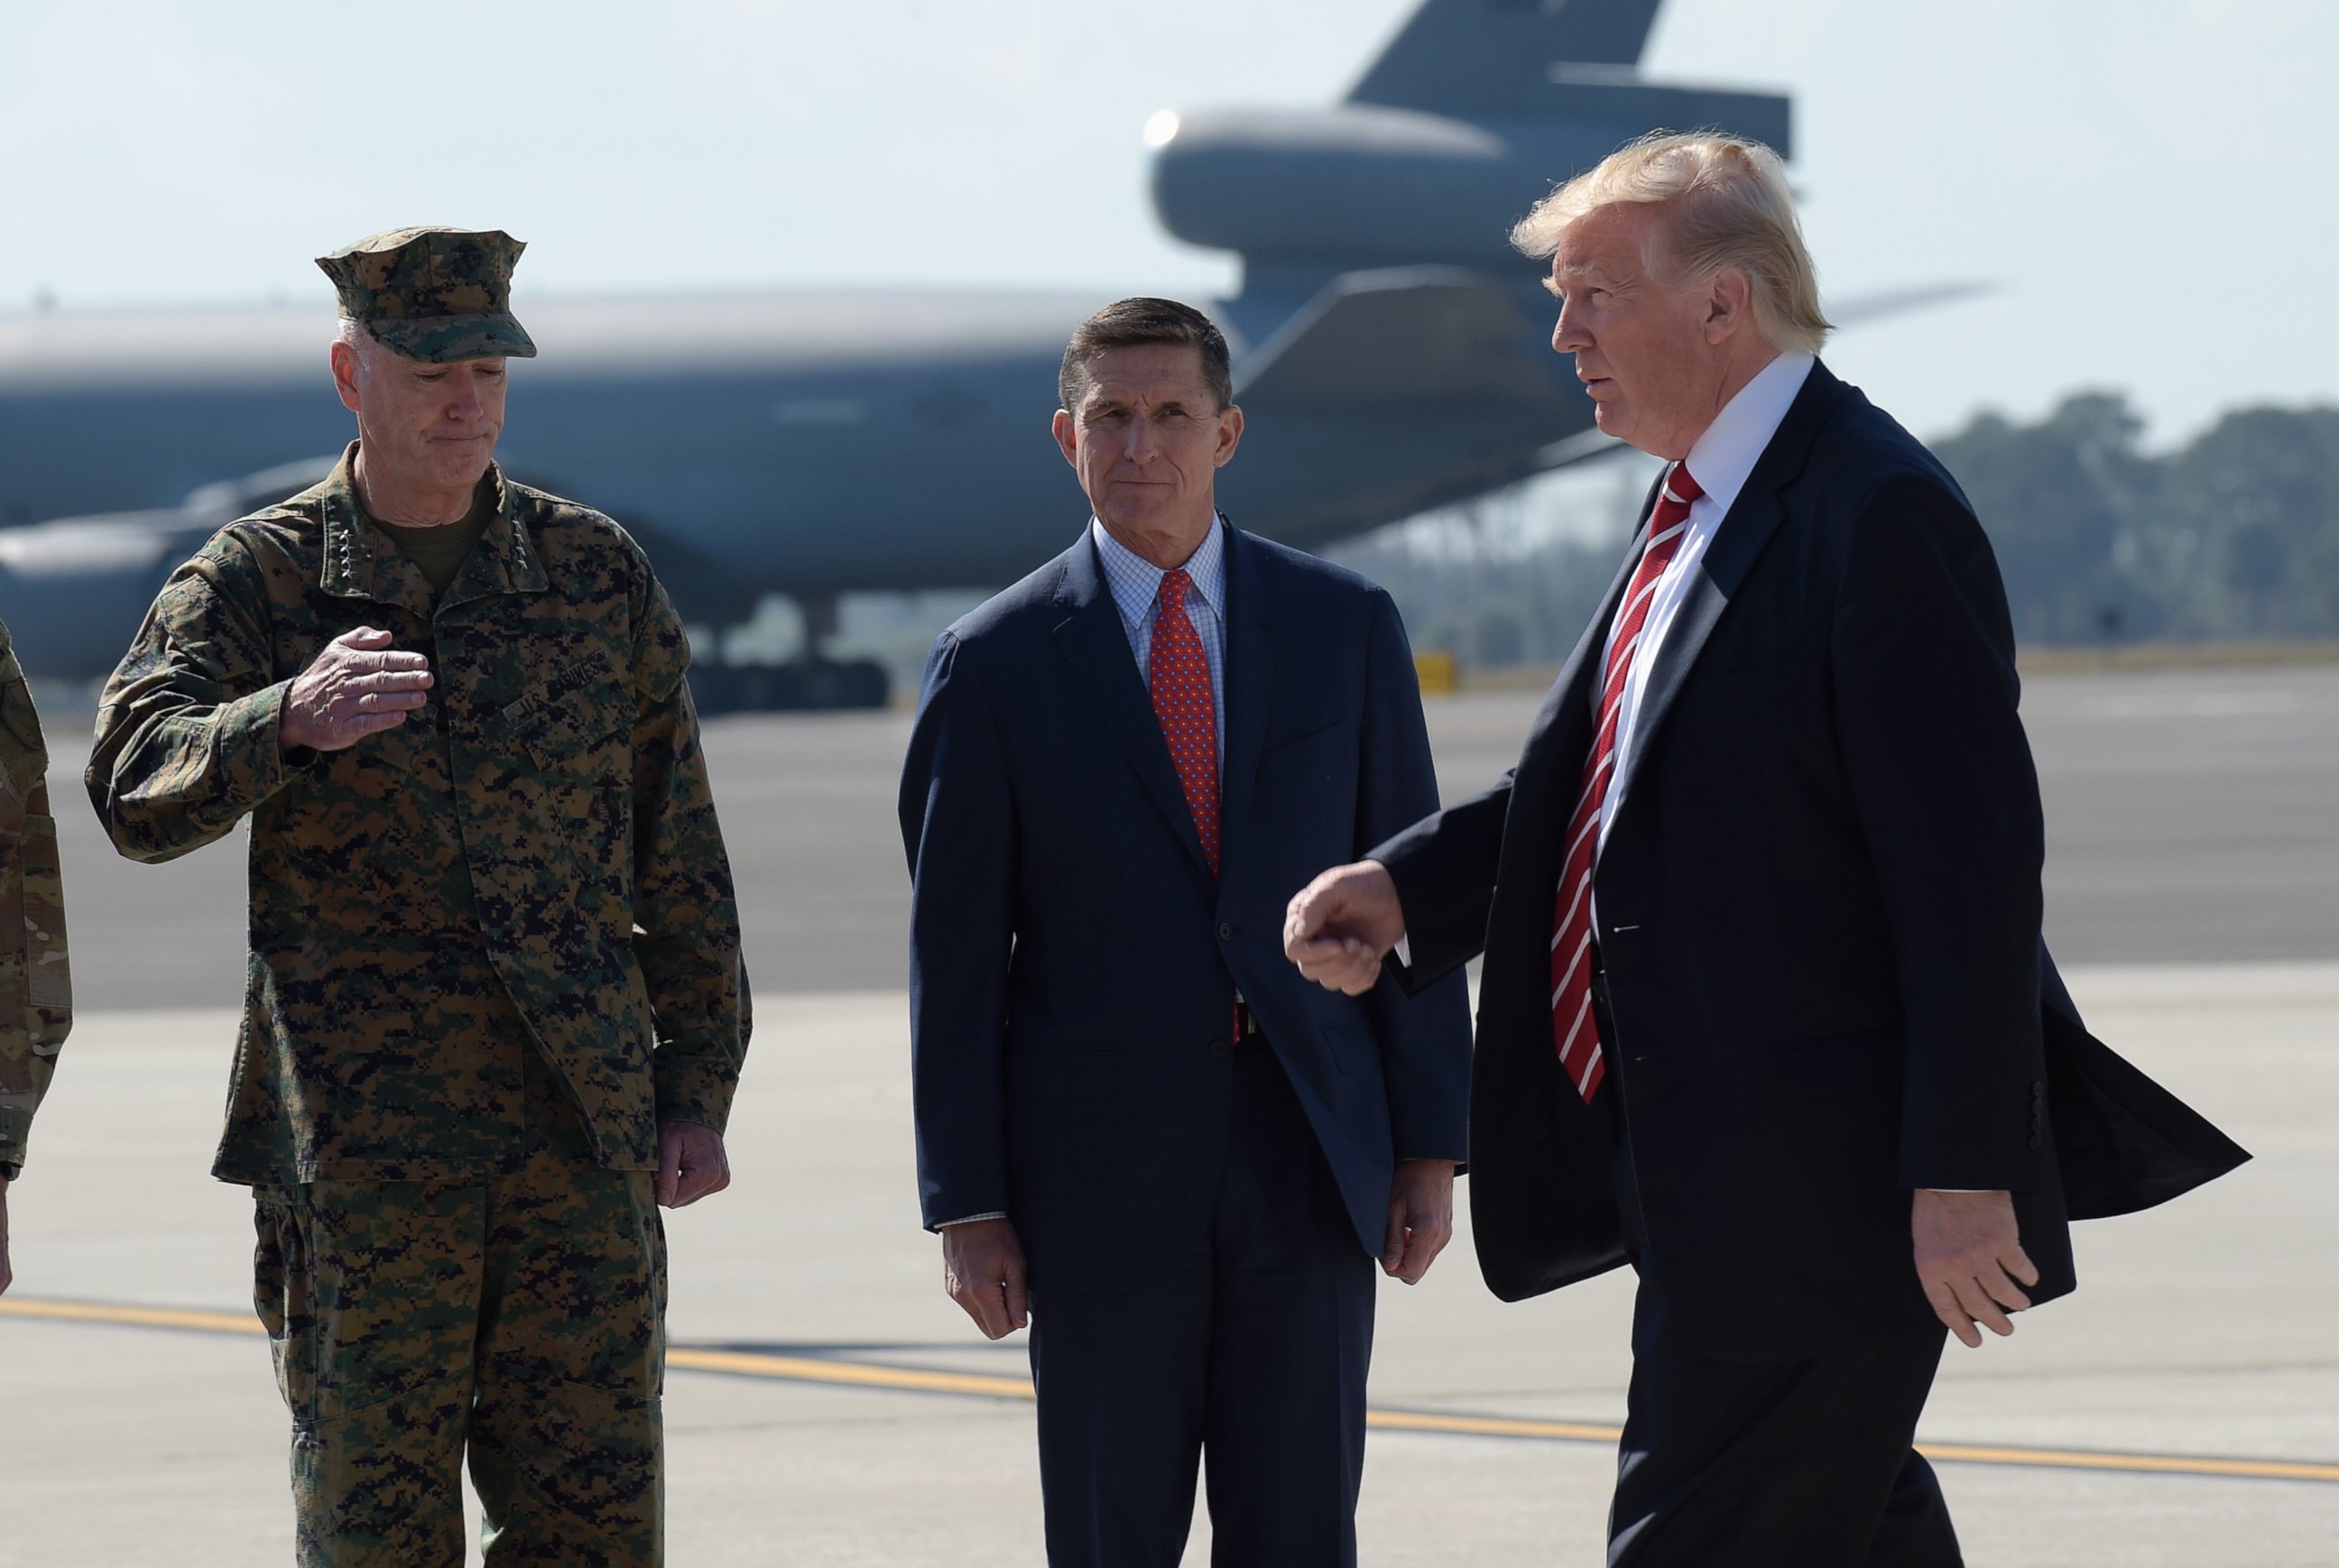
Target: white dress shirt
1720, 462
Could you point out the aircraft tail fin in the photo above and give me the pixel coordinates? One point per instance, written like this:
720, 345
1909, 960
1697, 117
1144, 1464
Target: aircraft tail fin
1399, 336
1493, 57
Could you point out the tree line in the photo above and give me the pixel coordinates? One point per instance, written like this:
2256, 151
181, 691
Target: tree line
2233, 536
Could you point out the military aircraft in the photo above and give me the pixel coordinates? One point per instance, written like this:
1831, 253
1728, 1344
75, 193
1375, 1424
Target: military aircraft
1391, 355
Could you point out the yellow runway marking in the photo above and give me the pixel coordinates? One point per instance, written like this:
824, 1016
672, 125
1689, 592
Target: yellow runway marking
911, 1380
851, 1374
134, 1316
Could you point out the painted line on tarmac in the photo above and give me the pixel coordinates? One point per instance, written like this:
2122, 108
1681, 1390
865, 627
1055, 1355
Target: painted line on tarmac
914, 1380
134, 1316
848, 1374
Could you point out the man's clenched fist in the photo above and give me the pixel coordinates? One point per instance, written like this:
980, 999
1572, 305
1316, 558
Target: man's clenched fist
1339, 927
984, 1272
357, 686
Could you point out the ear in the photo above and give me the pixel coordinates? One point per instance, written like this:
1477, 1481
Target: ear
345, 374
1729, 306
1068, 437
1230, 430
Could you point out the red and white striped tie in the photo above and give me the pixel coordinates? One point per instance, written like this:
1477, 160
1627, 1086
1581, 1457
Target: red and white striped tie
1571, 1022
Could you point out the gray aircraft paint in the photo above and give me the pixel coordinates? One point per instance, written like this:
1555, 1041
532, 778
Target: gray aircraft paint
1391, 357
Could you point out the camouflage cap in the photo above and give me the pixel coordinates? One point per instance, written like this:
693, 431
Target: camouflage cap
433, 293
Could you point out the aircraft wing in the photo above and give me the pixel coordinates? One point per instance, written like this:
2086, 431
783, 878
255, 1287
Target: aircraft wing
1856, 309
1403, 335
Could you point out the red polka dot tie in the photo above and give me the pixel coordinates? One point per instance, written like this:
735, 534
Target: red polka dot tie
1573, 1024
1180, 677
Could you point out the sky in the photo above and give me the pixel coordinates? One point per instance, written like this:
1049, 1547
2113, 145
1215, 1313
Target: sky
2143, 180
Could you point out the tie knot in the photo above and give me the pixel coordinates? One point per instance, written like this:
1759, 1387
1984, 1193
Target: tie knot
1682, 486
1174, 584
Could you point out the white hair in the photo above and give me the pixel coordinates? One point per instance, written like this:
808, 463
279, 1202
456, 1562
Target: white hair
1726, 204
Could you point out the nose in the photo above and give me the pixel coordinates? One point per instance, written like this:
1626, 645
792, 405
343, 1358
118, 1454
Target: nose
1139, 446
1567, 334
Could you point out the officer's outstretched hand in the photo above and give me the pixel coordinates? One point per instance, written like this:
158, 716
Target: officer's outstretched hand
1340, 926
691, 1163
358, 685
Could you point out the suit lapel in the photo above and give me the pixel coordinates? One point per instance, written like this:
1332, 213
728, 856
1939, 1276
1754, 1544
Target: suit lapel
1738, 540
1096, 644
1254, 657
1551, 764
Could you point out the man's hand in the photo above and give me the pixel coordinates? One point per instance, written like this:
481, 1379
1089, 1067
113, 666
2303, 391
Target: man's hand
691, 1163
357, 686
1340, 926
1968, 1258
983, 1270
4, 1276
1420, 1218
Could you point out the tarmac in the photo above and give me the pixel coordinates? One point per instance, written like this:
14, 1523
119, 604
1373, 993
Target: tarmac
826, 1405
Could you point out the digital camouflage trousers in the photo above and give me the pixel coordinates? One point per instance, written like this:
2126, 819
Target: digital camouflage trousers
515, 1319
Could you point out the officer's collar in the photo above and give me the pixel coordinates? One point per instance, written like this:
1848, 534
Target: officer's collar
361, 562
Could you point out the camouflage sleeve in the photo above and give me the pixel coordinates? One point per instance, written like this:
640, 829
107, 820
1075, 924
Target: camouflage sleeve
187, 731
24, 755
36, 992
685, 917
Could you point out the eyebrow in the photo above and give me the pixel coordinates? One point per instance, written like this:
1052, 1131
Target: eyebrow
1102, 404
1599, 275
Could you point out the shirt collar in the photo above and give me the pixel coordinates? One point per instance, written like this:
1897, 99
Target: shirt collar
1136, 582
1725, 456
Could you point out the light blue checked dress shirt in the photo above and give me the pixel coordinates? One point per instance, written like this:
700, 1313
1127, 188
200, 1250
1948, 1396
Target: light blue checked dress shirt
1136, 584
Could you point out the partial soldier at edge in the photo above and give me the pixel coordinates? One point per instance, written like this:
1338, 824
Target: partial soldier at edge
496, 1011
36, 989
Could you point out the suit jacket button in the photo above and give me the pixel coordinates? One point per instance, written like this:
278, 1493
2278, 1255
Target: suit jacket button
1220, 1048
1226, 931
2037, 1141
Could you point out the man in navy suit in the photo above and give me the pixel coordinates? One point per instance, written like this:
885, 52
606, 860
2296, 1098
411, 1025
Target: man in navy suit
1765, 1009
1133, 1117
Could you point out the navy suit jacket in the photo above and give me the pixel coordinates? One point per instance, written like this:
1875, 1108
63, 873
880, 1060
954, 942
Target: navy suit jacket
1073, 962
1819, 907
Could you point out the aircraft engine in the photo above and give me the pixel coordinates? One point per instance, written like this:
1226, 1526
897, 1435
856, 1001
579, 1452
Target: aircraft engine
1374, 185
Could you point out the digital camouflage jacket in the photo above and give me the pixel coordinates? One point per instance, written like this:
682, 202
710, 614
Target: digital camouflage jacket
539, 837
35, 991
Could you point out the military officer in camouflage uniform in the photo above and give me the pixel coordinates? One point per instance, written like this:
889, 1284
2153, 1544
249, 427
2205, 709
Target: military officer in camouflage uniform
495, 1009
35, 994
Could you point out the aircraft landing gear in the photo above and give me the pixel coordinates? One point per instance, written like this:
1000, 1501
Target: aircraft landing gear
798, 686
811, 682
